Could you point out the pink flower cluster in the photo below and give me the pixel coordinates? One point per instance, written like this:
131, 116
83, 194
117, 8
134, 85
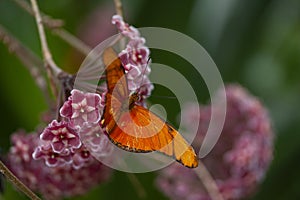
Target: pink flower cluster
52, 182
59, 163
64, 143
240, 158
65, 147
135, 59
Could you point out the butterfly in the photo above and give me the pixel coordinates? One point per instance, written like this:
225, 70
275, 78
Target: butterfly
133, 127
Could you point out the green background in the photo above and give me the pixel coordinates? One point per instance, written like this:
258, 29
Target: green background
255, 43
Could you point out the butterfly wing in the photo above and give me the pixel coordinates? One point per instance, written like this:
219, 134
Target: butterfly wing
115, 74
117, 91
137, 129
140, 130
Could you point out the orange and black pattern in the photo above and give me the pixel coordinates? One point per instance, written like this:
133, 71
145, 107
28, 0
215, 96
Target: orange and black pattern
147, 131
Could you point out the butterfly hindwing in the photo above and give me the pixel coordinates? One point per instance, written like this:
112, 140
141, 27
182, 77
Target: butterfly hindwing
140, 130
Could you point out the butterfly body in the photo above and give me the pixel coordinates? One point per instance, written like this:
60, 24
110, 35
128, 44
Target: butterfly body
134, 128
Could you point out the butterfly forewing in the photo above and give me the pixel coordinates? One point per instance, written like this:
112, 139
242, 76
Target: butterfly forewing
115, 75
117, 91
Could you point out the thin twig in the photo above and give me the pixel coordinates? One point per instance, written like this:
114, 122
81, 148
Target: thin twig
72, 40
28, 58
47, 20
46, 52
135, 181
208, 182
137, 185
119, 11
56, 26
118, 6
16, 182
52, 69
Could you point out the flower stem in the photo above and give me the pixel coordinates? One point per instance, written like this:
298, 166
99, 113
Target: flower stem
118, 7
16, 182
137, 185
72, 40
208, 182
119, 11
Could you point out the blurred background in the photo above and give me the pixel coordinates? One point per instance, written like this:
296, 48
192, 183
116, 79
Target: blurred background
254, 43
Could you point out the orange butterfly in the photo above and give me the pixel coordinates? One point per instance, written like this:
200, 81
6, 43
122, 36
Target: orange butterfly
133, 127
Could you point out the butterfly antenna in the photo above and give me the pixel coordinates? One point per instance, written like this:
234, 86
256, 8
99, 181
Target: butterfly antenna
162, 97
144, 71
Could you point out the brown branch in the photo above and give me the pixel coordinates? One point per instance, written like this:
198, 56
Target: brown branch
16, 182
72, 40
208, 182
119, 11
118, 7
28, 58
52, 69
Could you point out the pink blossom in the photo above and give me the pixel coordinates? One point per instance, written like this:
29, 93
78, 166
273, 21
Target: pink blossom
58, 181
81, 157
145, 89
135, 56
124, 28
241, 156
95, 140
82, 108
63, 143
135, 59
19, 158
21, 147
52, 159
61, 137
66, 182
